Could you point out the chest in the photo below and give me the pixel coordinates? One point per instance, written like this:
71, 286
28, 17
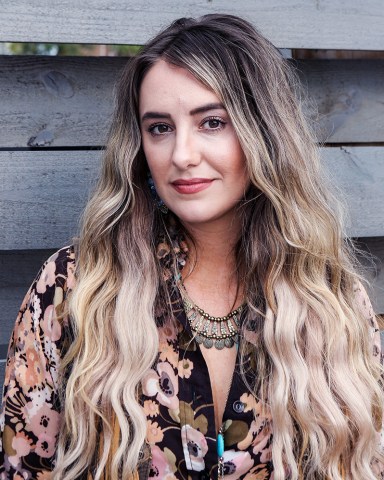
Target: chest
221, 366
187, 395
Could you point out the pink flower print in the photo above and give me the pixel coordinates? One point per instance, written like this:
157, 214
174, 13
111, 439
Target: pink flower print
195, 448
151, 408
185, 368
45, 420
21, 444
29, 373
259, 472
50, 325
260, 443
168, 353
163, 464
167, 333
47, 277
236, 464
254, 429
45, 425
45, 446
70, 276
250, 403
163, 384
154, 433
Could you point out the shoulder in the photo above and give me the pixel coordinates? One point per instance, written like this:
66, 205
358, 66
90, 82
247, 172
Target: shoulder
57, 271
30, 416
42, 325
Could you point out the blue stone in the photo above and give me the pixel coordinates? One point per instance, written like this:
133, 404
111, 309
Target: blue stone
220, 445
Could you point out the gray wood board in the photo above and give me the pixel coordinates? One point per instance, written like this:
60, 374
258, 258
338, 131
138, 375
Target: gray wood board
56, 101
358, 174
43, 192
67, 101
345, 99
41, 196
372, 261
290, 24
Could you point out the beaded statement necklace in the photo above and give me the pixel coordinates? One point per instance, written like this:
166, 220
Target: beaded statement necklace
218, 332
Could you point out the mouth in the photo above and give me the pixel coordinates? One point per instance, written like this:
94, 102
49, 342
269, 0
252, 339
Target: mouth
192, 185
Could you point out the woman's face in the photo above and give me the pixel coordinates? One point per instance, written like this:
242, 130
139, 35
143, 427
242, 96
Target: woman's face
191, 146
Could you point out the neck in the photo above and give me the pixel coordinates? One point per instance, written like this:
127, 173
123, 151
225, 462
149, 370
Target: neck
214, 244
210, 274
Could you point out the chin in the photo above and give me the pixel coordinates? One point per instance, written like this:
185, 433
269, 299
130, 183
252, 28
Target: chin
203, 217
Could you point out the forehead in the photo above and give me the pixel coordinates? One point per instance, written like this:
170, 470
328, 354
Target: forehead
167, 86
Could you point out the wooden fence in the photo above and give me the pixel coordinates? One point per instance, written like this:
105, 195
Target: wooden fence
55, 113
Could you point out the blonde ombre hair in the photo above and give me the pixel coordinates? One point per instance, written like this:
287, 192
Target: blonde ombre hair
315, 370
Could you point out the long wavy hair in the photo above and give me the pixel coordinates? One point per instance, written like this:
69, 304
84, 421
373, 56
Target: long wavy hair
314, 367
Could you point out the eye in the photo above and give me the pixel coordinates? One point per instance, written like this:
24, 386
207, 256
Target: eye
159, 129
213, 123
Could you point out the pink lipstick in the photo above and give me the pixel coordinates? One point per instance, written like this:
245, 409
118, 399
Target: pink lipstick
192, 185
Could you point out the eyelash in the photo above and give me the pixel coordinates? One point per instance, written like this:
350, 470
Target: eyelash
222, 124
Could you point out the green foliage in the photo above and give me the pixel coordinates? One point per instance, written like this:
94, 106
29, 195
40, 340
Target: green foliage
125, 50
73, 49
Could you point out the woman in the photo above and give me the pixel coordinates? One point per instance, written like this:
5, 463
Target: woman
210, 200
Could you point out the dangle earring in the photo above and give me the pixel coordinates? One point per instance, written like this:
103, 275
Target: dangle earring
155, 196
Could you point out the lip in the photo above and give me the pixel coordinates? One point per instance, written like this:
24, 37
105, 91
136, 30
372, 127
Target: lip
192, 185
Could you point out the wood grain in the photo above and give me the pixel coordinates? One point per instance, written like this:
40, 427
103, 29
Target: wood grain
41, 196
49, 101
68, 101
346, 99
372, 262
329, 24
43, 192
358, 175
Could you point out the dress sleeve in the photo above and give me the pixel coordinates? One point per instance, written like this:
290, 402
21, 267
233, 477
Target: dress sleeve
365, 305
30, 414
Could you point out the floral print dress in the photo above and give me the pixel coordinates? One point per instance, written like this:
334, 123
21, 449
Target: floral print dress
176, 395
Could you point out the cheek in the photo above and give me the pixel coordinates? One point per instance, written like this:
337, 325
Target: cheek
157, 159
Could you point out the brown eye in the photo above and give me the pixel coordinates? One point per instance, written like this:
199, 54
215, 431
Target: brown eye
213, 123
159, 129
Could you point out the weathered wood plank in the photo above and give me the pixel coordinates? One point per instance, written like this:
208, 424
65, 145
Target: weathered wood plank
43, 192
42, 195
56, 101
348, 96
291, 24
68, 101
373, 269
359, 174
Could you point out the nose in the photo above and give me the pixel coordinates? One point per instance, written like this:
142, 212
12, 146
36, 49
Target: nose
185, 151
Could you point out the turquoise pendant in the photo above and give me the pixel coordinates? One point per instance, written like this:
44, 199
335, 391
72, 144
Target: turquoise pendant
220, 445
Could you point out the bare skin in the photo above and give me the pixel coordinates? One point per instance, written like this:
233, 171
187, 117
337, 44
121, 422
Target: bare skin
212, 285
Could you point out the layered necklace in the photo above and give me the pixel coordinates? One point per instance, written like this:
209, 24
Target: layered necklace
218, 332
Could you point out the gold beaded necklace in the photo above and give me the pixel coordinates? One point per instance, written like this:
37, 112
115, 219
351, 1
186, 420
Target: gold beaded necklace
218, 332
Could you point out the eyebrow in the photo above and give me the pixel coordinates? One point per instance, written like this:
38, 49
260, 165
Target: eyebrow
194, 111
